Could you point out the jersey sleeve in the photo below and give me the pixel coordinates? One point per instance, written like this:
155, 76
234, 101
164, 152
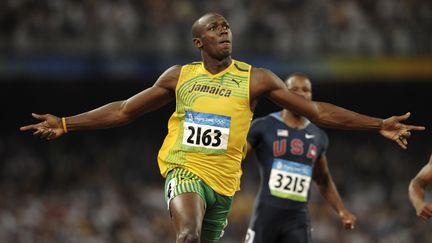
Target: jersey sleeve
324, 143
255, 132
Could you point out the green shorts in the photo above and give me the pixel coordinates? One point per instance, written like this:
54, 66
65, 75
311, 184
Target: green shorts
217, 207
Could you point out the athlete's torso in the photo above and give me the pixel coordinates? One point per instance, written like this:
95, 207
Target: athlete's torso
207, 132
286, 159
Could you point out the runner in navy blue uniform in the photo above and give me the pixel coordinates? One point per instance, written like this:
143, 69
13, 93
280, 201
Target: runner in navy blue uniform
291, 153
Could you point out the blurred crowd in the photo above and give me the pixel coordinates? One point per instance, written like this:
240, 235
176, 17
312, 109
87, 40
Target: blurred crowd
283, 28
88, 188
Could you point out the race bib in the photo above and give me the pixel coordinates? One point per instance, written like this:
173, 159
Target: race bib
290, 180
205, 130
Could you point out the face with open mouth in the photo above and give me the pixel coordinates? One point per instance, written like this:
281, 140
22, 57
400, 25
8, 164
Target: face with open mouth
226, 43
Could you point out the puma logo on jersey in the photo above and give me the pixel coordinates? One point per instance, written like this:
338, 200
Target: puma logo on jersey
309, 136
237, 82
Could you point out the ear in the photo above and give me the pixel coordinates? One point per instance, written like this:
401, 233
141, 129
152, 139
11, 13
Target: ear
197, 43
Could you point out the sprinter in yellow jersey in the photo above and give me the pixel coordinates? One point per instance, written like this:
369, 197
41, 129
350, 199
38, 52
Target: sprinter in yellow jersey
203, 150
212, 117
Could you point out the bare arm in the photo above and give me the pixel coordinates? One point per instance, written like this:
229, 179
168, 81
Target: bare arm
327, 188
416, 191
122, 112
323, 114
114, 114
264, 82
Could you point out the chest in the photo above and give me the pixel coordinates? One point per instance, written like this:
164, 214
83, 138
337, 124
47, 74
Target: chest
227, 85
294, 144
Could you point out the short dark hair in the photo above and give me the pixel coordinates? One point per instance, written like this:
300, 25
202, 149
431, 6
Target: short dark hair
195, 27
297, 74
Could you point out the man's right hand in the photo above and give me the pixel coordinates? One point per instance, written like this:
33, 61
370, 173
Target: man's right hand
425, 211
348, 219
49, 128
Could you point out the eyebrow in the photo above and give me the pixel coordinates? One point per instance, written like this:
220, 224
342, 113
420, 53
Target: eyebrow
215, 22
212, 23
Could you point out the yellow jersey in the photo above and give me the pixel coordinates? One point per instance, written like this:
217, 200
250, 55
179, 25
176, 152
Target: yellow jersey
207, 132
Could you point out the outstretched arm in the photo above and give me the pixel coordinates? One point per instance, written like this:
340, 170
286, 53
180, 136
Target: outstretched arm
264, 82
327, 188
416, 191
114, 114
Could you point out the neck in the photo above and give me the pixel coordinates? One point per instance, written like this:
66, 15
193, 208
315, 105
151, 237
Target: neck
214, 65
293, 120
